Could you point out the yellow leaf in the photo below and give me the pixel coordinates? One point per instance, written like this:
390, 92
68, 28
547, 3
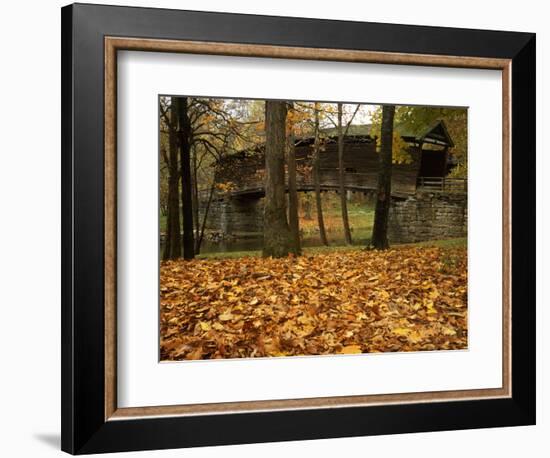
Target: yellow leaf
303, 319
415, 337
429, 304
218, 326
204, 325
449, 331
279, 353
350, 349
225, 316
401, 331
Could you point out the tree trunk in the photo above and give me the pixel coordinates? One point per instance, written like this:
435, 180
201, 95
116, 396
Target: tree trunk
306, 206
184, 133
163, 193
317, 181
172, 244
293, 220
341, 178
383, 196
200, 234
277, 237
195, 183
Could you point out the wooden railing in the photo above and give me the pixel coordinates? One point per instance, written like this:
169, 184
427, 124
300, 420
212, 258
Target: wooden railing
443, 184
358, 182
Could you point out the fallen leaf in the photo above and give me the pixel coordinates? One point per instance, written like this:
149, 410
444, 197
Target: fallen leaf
339, 302
350, 349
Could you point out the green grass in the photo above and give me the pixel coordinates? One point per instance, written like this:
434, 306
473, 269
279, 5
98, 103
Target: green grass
230, 255
360, 216
258, 253
445, 244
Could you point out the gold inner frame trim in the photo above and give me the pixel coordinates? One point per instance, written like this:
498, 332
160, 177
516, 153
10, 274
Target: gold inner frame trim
114, 44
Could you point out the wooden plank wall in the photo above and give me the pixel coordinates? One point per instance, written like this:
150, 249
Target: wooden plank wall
246, 172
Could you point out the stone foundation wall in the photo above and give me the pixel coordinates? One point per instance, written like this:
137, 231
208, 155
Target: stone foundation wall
428, 216
230, 216
420, 217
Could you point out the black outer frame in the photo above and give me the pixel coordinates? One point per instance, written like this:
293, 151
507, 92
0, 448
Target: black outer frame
84, 429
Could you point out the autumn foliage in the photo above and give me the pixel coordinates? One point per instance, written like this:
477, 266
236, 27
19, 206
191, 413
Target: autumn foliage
355, 301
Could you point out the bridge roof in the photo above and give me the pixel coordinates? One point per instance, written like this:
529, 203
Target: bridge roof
435, 133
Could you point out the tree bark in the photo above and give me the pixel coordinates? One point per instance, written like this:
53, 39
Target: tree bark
383, 196
195, 186
341, 178
200, 234
163, 193
317, 181
277, 237
306, 206
184, 133
172, 245
293, 219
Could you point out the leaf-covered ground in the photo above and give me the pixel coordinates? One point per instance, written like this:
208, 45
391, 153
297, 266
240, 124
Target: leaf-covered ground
405, 299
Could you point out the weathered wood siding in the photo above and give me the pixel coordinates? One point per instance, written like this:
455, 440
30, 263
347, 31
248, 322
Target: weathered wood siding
246, 170
361, 168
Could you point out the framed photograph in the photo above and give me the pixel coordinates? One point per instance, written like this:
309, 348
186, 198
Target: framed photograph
284, 228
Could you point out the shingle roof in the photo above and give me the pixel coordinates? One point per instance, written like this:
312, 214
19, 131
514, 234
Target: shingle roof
435, 133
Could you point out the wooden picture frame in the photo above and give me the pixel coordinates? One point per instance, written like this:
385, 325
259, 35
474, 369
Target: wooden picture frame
91, 419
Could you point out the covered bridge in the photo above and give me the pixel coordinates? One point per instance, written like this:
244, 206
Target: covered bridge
428, 163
